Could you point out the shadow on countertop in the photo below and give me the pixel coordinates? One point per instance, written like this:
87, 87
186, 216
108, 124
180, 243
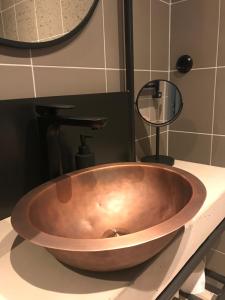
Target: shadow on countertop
36, 266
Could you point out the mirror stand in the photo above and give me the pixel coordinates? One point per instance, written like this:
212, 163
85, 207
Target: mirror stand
160, 159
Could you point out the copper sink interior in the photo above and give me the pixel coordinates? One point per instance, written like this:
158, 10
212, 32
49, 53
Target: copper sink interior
96, 217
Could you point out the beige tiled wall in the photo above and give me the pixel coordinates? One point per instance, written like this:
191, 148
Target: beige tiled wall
40, 20
94, 60
198, 135
198, 29
151, 60
91, 62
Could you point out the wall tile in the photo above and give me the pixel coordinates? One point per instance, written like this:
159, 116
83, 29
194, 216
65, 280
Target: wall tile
116, 80
194, 26
1, 27
10, 55
219, 120
48, 16
142, 129
26, 25
87, 49
114, 34
143, 148
141, 20
218, 151
73, 12
159, 35
159, 75
9, 23
12, 79
197, 88
140, 79
190, 147
162, 143
58, 81
6, 3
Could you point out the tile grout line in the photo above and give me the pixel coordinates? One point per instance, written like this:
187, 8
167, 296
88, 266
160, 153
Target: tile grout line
61, 67
215, 82
146, 70
104, 44
179, 1
164, 2
17, 33
201, 68
33, 77
36, 21
216, 250
102, 68
80, 67
197, 69
198, 133
61, 13
142, 138
148, 136
190, 132
11, 6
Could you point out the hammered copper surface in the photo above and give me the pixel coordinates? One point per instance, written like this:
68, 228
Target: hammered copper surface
109, 217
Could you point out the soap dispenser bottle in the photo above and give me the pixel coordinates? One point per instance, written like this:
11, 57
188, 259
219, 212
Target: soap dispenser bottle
84, 157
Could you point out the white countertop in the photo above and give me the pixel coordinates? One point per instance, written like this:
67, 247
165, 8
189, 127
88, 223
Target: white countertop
30, 272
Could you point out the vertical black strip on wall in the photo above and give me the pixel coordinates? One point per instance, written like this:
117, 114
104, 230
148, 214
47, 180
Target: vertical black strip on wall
129, 49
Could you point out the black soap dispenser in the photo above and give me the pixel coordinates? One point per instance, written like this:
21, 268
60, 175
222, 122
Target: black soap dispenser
84, 158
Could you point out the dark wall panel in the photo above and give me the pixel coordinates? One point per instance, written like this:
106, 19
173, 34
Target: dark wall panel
21, 159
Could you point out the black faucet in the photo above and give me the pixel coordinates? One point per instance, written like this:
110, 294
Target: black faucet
50, 122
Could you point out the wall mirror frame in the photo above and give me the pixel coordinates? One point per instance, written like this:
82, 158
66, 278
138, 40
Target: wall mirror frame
71, 34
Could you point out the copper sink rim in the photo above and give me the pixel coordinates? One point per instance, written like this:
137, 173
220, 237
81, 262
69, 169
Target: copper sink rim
23, 226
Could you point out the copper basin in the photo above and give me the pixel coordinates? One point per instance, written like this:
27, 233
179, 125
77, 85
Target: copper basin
109, 217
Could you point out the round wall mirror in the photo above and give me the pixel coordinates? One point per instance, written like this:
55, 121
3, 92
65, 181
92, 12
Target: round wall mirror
159, 103
41, 23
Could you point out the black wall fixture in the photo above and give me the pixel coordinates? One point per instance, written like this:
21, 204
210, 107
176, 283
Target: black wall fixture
184, 63
22, 166
129, 49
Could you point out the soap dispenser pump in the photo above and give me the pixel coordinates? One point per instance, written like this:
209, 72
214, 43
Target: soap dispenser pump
84, 158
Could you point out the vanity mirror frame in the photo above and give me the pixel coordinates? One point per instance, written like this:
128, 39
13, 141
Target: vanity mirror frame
64, 38
166, 122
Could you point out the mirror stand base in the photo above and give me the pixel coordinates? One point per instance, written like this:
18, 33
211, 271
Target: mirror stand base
161, 159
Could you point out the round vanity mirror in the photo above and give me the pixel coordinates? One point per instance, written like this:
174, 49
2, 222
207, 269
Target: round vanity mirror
37, 23
159, 103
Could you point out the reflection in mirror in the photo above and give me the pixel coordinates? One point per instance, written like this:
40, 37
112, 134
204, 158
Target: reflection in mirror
159, 102
41, 20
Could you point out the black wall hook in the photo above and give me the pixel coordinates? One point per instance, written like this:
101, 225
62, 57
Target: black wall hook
184, 64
